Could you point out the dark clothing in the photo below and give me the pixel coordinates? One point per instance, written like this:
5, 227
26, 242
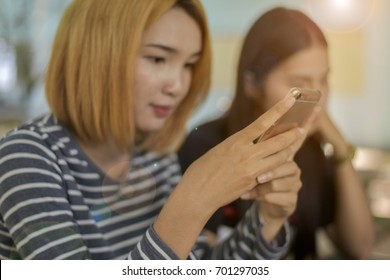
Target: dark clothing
316, 200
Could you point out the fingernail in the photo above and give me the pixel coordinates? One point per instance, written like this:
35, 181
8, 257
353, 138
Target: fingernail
246, 196
264, 178
289, 101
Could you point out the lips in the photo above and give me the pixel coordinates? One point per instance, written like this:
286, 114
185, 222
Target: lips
162, 111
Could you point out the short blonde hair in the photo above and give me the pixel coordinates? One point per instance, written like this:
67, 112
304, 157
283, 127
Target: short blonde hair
89, 80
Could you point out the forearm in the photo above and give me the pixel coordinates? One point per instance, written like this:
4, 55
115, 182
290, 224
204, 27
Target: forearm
353, 229
271, 228
181, 221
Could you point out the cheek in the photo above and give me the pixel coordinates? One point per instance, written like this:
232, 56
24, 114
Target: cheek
145, 79
275, 88
324, 100
141, 98
269, 100
138, 89
187, 80
143, 87
274, 94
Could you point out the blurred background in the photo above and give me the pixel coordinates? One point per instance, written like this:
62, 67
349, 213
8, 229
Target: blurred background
359, 37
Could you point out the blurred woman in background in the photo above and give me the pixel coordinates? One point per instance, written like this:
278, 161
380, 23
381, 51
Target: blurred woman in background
284, 48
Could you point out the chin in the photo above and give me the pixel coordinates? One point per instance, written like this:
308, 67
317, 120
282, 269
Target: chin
150, 128
313, 129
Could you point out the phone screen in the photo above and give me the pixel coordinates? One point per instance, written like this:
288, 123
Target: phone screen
297, 115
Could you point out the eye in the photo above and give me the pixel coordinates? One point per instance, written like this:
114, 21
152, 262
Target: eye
298, 83
156, 59
189, 65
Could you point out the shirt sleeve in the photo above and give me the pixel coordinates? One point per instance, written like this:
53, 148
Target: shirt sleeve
151, 247
247, 242
36, 218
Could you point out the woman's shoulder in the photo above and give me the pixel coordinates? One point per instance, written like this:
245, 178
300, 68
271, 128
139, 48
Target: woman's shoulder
39, 132
37, 126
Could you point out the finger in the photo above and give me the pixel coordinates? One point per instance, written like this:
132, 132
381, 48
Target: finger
251, 195
290, 184
298, 144
285, 200
266, 120
261, 164
289, 168
279, 142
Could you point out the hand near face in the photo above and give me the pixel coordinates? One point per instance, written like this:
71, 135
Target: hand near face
329, 133
326, 127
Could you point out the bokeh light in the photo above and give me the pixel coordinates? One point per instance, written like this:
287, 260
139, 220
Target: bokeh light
342, 15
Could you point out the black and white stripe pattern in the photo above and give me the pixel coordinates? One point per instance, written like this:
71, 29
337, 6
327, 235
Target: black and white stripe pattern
56, 204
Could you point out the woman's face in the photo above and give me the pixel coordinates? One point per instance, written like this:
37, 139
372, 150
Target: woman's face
308, 68
169, 49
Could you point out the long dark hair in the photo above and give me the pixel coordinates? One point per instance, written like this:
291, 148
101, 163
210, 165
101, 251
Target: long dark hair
274, 37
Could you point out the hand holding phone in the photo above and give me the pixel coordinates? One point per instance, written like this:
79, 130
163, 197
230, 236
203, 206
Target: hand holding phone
297, 116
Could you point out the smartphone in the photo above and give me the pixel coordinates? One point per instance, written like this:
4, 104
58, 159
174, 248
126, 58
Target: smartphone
297, 115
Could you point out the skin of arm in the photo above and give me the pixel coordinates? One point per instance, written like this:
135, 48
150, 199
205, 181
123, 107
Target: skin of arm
352, 230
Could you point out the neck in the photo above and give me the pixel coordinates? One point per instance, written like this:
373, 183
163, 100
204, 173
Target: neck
109, 158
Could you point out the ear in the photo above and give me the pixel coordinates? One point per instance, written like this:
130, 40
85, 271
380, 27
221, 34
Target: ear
251, 85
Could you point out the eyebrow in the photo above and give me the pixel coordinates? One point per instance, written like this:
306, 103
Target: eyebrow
168, 49
163, 47
304, 76
300, 77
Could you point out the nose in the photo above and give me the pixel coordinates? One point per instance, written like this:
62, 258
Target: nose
324, 97
176, 83
323, 86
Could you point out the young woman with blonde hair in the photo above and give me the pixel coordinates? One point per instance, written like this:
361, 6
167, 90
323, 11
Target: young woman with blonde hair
98, 177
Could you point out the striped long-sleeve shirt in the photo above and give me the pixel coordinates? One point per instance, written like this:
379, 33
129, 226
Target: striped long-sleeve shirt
56, 204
